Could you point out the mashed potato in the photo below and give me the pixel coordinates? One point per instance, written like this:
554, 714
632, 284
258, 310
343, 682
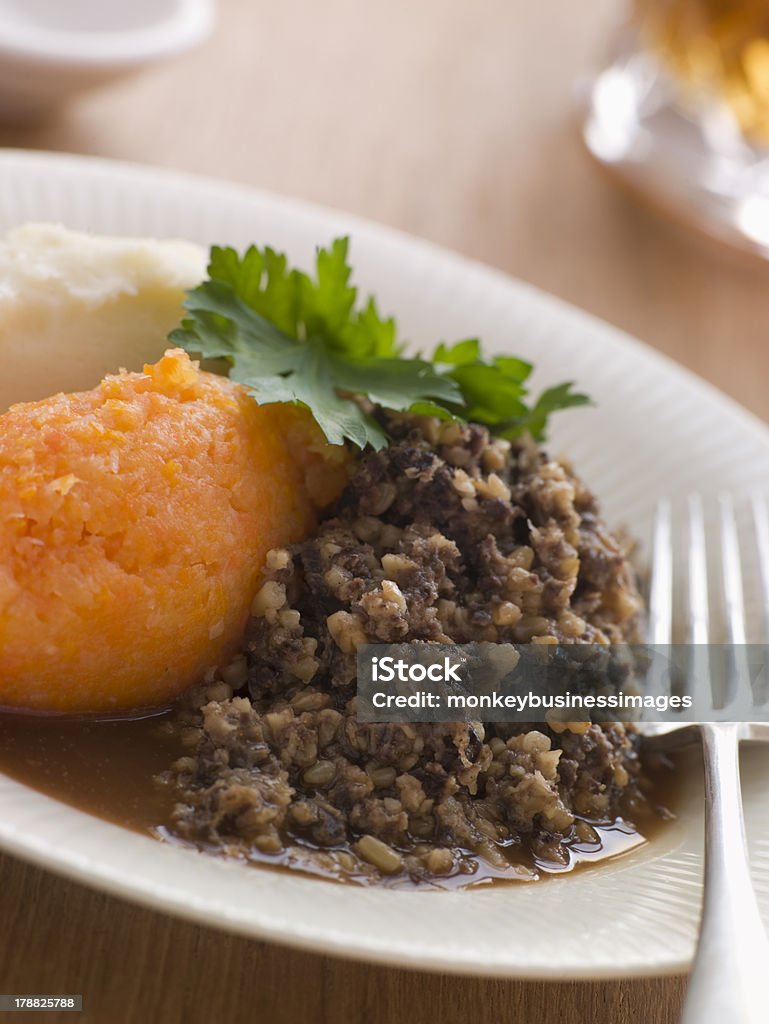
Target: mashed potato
134, 519
74, 307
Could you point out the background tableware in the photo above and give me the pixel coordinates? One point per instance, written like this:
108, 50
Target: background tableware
681, 113
51, 50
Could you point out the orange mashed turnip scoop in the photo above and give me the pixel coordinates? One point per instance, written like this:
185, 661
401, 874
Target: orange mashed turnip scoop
134, 522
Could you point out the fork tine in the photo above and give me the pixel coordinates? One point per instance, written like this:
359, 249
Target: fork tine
761, 530
740, 694
761, 527
698, 616
734, 602
698, 677
660, 630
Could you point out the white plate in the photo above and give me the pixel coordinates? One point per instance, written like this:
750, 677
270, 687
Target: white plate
656, 429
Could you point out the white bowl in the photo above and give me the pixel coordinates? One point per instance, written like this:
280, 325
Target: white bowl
51, 50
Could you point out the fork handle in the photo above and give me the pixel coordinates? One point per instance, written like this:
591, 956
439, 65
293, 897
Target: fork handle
729, 981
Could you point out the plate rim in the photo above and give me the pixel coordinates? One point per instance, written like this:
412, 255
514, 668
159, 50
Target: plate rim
93, 875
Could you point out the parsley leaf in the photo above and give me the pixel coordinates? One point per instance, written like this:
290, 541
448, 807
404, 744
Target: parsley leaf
292, 337
494, 392
551, 400
289, 338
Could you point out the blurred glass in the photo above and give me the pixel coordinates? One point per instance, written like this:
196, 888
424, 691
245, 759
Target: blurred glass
681, 112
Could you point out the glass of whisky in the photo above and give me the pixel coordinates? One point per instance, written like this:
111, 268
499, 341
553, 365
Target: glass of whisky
681, 113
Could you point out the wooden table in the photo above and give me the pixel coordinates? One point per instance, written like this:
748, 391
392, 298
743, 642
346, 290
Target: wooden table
453, 120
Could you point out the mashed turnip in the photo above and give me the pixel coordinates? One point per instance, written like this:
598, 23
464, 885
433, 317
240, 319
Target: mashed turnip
134, 519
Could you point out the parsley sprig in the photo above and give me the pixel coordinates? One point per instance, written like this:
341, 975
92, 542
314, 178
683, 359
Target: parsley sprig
290, 337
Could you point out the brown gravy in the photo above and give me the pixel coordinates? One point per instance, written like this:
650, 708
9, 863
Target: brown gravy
104, 767
107, 768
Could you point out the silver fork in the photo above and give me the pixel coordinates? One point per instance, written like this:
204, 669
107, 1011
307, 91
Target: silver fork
729, 981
